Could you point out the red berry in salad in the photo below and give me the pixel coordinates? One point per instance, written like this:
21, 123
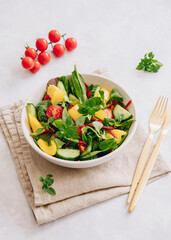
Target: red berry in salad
47, 97
27, 63
36, 67
54, 111
31, 52
70, 44
44, 58
41, 44
54, 36
58, 50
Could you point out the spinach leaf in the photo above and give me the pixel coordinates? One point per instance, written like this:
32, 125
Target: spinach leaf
108, 144
65, 82
41, 109
114, 95
79, 86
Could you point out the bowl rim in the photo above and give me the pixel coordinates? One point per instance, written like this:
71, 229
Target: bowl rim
70, 163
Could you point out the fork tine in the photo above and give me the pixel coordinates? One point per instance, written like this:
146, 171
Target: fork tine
164, 107
155, 108
159, 107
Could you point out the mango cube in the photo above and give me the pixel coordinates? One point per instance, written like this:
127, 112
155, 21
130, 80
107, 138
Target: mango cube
49, 149
101, 114
34, 123
118, 133
106, 94
73, 112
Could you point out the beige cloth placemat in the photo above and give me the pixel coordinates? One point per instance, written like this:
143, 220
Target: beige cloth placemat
75, 188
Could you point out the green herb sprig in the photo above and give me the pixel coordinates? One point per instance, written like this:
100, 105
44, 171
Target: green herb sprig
149, 64
48, 181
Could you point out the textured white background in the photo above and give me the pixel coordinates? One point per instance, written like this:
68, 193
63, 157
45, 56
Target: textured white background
114, 34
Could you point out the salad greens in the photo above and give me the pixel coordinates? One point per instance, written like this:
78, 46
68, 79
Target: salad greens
149, 64
47, 182
79, 125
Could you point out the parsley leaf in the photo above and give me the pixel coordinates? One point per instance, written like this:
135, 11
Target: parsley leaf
48, 181
149, 64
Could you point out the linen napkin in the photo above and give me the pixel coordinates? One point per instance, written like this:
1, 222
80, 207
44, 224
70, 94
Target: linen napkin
75, 188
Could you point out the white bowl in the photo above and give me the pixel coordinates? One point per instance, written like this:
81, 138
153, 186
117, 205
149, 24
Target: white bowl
89, 79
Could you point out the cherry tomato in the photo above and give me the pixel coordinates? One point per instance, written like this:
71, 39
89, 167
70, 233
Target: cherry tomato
69, 107
82, 146
79, 130
47, 97
27, 63
89, 94
54, 36
36, 67
70, 44
41, 44
58, 50
31, 52
109, 112
55, 111
44, 58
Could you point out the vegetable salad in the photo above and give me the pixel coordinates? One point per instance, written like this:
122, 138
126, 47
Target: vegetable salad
75, 121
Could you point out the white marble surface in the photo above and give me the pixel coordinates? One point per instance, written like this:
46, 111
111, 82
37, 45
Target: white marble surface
110, 33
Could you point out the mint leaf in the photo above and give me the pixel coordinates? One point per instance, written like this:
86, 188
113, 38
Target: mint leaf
51, 119
51, 191
91, 106
149, 64
48, 181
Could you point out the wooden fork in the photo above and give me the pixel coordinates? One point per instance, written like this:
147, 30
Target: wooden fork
156, 121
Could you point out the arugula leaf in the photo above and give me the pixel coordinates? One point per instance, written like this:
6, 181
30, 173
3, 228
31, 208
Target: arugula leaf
48, 181
91, 106
108, 144
114, 95
41, 109
149, 64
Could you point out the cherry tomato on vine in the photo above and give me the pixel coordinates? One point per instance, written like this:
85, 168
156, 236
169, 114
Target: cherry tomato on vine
54, 111
58, 50
41, 44
70, 44
31, 52
27, 63
44, 58
36, 67
54, 36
